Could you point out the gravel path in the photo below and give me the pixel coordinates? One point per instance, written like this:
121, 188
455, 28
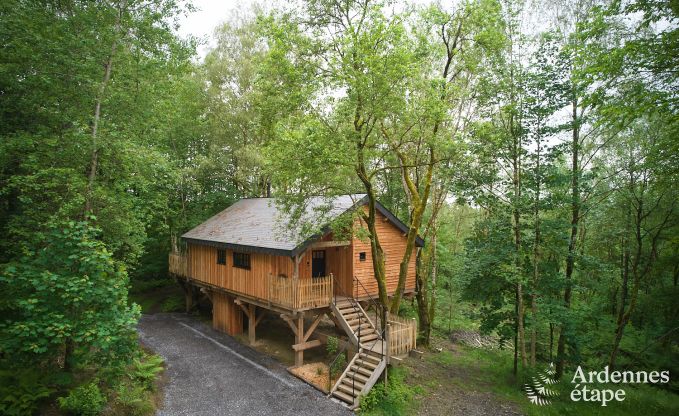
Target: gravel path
209, 373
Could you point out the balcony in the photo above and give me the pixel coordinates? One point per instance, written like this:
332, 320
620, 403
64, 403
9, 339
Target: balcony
284, 292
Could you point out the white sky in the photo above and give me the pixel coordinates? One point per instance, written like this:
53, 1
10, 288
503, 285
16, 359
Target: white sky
209, 14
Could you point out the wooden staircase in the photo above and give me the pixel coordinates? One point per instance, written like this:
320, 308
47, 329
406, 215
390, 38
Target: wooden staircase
367, 365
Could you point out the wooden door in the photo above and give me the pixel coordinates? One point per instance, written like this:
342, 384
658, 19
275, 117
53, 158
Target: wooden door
318, 263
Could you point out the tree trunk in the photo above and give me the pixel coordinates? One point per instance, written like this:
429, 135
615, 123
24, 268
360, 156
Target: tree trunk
575, 218
94, 156
516, 179
536, 257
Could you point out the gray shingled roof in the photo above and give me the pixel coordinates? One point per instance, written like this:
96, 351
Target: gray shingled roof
257, 224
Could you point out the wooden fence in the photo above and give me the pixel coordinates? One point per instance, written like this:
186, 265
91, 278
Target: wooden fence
178, 265
402, 335
300, 293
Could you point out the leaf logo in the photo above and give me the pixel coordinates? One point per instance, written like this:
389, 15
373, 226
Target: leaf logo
537, 392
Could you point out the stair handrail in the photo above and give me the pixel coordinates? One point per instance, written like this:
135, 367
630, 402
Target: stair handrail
378, 307
343, 350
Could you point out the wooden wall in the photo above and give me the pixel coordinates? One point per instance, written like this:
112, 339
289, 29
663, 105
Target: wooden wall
226, 315
253, 282
393, 243
343, 262
338, 262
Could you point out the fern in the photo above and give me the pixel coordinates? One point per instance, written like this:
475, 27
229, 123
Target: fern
21, 392
537, 392
146, 371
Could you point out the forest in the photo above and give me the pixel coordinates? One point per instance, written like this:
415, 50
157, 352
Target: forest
534, 145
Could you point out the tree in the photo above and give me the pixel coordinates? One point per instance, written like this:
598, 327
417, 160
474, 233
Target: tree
67, 300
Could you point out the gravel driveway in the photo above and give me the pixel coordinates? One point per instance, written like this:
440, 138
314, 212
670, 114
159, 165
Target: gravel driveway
209, 373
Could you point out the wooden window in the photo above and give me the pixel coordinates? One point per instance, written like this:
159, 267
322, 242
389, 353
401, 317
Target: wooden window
221, 256
241, 260
361, 256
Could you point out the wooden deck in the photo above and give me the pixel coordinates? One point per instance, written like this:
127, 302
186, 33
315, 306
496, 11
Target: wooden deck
282, 292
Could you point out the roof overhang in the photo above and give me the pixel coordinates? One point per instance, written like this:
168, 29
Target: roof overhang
300, 248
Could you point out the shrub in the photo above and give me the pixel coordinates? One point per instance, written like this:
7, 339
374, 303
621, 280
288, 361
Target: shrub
394, 399
337, 367
146, 370
133, 400
173, 304
332, 346
85, 400
21, 391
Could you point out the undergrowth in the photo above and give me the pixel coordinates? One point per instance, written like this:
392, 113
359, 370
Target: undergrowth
396, 398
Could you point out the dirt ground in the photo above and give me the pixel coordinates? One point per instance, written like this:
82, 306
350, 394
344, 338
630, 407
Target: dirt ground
275, 339
314, 373
453, 389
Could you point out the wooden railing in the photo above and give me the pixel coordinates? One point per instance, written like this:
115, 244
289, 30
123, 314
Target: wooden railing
300, 293
289, 293
178, 265
402, 335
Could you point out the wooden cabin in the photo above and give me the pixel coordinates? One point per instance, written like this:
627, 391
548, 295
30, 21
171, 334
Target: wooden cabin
249, 257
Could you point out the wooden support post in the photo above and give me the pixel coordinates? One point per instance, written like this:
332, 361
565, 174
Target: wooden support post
290, 322
188, 296
313, 326
252, 324
385, 349
299, 339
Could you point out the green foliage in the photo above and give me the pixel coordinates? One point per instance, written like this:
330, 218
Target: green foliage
146, 370
22, 391
332, 346
133, 400
67, 293
394, 399
85, 400
337, 367
173, 304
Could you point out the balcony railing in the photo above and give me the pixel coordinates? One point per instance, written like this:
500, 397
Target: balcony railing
300, 293
178, 265
286, 292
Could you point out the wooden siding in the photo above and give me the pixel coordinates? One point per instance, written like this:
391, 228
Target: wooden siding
269, 278
342, 262
226, 315
338, 262
393, 243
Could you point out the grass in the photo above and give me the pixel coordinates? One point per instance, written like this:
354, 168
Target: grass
492, 372
157, 295
395, 399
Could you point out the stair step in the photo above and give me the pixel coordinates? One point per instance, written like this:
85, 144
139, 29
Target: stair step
353, 383
366, 364
362, 370
364, 326
356, 321
344, 397
371, 358
376, 354
348, 390
352, 316
357, 376
369, 337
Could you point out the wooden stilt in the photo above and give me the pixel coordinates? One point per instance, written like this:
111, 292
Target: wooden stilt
252, 324
299, 339
190, 296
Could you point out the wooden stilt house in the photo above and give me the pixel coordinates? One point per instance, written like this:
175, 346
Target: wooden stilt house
249, 259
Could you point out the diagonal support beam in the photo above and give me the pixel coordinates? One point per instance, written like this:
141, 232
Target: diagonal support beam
290, 322
313, 326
